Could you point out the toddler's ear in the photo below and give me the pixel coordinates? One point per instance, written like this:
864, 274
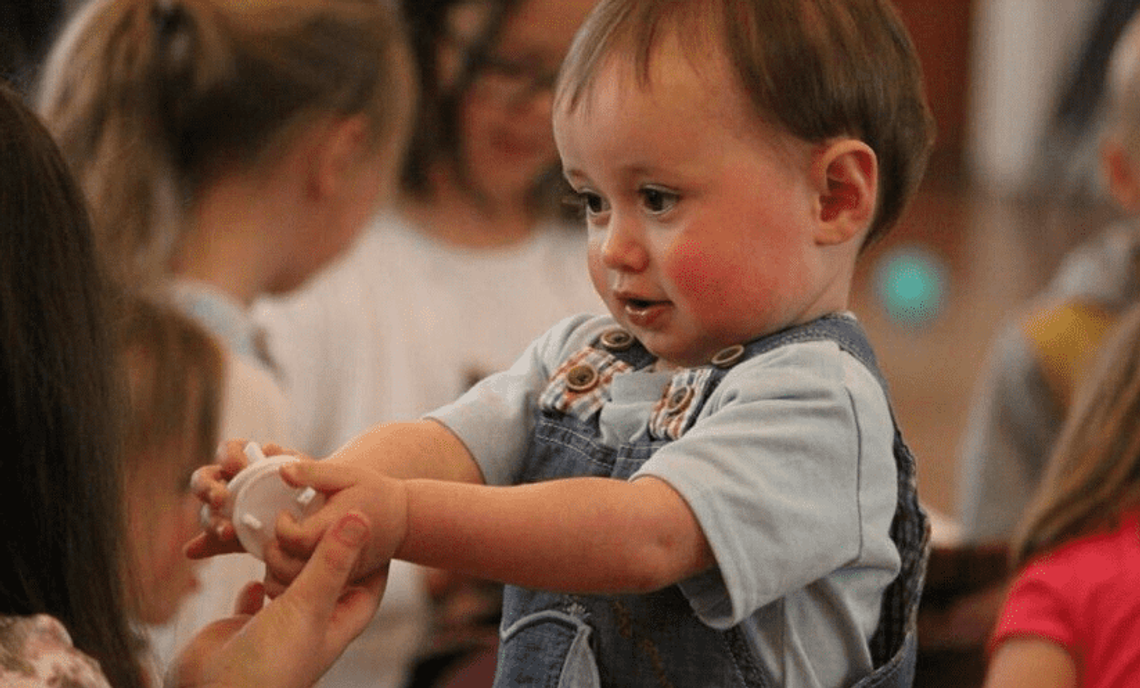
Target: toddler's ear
846, 173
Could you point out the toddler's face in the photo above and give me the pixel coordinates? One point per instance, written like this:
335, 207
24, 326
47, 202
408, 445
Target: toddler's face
700, 222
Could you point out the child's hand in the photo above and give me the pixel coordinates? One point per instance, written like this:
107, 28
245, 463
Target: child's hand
210, 484
380, 498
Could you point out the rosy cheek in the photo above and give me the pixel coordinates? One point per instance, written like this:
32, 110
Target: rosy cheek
700, 276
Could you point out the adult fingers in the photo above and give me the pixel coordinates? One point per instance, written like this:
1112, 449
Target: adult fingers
356, 608
281, 569
208, 544
250, 600
322, 581
208, 484
274, 449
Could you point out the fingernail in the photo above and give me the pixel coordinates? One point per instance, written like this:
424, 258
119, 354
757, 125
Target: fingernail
352, 530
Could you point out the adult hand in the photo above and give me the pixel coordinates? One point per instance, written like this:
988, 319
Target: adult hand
383, 500
292, 640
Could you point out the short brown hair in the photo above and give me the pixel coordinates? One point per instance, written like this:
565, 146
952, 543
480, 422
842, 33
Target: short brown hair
816, 69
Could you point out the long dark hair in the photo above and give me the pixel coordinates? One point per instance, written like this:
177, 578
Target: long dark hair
61, 488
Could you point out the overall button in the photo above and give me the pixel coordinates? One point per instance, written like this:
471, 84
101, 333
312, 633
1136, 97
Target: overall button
581, 378
728, 357
679, 400
617, 339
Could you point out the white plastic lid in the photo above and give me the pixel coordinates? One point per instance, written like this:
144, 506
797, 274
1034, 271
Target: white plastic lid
259, 494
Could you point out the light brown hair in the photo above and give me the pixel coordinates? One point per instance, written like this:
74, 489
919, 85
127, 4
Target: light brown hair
174, 372
151, 98
1093, 475
816, 69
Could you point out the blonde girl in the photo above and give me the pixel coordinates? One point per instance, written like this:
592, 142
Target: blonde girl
1071, 614
166, 108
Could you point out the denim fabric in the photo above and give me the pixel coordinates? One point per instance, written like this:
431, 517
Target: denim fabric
655, 640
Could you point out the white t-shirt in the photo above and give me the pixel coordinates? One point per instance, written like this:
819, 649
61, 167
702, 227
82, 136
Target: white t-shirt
403, 324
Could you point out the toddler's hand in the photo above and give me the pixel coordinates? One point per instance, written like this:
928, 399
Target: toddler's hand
210, 484
380, 498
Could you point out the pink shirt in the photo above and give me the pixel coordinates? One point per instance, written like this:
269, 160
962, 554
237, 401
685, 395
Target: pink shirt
1086, 597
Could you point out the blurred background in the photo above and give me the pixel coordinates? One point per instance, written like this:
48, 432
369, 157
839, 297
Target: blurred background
1003, 199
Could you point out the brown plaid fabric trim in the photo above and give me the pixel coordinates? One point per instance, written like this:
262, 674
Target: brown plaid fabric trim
565, 392
677, 409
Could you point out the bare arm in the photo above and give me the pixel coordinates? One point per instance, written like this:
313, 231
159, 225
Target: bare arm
1031, 662
416, 449
593, 535
574, 535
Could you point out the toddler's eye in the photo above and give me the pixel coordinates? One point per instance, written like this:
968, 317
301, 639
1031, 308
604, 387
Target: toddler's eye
658, 201
585, 203
594, 203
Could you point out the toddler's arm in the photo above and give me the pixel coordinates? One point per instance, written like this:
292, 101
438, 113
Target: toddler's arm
593, 535
407, 450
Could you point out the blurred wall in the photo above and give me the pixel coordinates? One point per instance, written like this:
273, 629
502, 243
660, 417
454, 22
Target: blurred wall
1020, 52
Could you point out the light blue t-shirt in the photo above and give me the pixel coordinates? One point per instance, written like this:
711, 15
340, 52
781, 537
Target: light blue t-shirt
789, 470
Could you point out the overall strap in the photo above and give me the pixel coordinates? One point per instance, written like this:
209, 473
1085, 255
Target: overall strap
842, 329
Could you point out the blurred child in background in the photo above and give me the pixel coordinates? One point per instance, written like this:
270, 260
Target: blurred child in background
1071, 615
174, 377
1042, 356
474, 260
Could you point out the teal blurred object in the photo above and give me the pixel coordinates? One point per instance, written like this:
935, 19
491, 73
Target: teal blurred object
910, 282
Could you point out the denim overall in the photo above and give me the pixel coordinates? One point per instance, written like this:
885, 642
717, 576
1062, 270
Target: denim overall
655, 640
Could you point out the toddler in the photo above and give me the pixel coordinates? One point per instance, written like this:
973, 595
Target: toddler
705, 487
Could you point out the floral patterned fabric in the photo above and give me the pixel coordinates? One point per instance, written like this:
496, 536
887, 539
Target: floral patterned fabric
36, 652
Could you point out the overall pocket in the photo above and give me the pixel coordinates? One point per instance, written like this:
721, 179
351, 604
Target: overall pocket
547, 649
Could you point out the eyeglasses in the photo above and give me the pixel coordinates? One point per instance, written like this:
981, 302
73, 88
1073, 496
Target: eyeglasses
512, 82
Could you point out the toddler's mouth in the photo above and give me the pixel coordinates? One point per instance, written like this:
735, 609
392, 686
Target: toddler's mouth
644, 313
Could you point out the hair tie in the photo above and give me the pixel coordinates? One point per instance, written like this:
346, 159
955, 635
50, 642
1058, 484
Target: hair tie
168, 17
171, 20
